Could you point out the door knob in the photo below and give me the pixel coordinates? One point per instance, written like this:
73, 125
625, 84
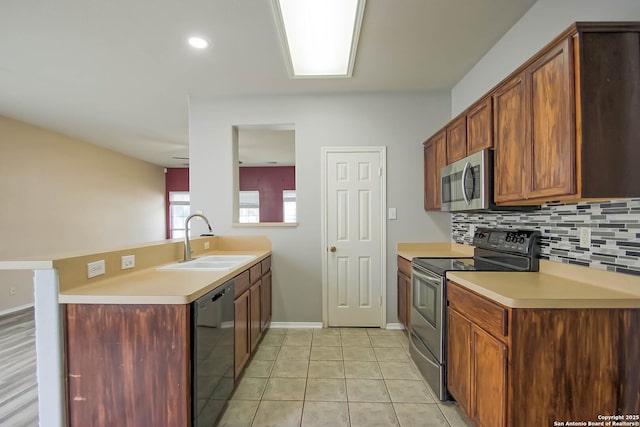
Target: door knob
332, 248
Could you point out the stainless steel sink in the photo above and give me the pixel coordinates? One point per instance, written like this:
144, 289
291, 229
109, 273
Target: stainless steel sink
210, 263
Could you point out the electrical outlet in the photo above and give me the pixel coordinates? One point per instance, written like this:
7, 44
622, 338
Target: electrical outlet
206, 245
472, 230
127, 261
585, 237
12, 291
95, 268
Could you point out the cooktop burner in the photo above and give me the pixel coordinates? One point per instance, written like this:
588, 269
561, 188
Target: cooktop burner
441, 265
495, 250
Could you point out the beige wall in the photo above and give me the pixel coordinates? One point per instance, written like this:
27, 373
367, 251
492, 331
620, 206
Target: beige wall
59, 195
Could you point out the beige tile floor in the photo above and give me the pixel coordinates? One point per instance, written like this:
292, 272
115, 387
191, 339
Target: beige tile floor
336, 377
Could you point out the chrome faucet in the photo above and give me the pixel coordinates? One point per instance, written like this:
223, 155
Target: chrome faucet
187, 243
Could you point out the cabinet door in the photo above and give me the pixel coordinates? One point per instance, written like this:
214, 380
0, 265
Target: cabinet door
435, 157
241, 329
254, 316
480, 126
457, 139
459, 358
510, 136
552, 166
265, 300
489, 379
402, 299
113, 356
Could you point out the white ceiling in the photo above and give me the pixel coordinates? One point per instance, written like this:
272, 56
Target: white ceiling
118, 73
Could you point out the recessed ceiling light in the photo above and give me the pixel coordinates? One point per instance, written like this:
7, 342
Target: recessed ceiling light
198, 42
319, 36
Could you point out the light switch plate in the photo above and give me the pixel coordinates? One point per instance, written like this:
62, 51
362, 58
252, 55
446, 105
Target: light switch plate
392, 213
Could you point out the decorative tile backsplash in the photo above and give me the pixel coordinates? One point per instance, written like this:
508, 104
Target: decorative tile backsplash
614, 224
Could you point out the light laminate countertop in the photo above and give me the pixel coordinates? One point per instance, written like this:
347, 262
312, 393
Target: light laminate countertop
540, 290
152, 286
556, 285
433, 250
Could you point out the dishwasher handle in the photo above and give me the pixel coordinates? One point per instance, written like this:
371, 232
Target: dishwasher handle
216, 297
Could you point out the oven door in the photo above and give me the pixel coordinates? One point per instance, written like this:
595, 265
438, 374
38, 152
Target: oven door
427, 314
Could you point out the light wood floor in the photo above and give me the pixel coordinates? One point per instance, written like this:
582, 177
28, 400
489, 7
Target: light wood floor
18, 386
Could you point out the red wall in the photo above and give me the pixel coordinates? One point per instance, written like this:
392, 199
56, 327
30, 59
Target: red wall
176, 179
269, 181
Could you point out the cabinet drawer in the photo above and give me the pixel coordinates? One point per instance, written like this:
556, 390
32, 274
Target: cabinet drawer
479, 310
404, 266
255, 272
266, 264
241, 283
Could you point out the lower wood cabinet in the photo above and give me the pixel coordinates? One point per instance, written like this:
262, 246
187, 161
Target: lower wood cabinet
242, 311
254, 318
131, 364
404, 292
533, 366
459, 358
128, 364
488, 378
252, 310
265, 300
477, 361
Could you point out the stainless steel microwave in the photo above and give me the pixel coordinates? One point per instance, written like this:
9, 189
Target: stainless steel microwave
467, 185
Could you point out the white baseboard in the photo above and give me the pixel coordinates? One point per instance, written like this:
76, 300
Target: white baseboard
397, 326
296, 325
15, 309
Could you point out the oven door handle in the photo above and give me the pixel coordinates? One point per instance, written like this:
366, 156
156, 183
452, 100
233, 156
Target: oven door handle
427, 277
467, 166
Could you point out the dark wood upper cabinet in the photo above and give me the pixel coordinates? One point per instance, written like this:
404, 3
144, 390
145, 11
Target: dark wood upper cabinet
457, 139
510, 134
435, 157
480, 126
535, 145
582, 140
552, 150
565, 125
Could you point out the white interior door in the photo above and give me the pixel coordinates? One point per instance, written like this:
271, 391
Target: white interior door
354, 205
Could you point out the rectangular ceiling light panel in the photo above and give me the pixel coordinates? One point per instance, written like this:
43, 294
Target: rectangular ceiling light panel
319, 36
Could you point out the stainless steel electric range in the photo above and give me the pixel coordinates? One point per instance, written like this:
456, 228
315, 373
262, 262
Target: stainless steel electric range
495, 250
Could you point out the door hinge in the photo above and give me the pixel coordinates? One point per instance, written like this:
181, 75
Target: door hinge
380, 300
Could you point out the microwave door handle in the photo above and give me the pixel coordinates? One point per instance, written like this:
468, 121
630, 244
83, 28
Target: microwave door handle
464, 177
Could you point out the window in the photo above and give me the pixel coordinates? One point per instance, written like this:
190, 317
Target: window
289, 205
249, 207
179, 210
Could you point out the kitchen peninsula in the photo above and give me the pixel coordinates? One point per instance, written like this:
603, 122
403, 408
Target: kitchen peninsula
121, 346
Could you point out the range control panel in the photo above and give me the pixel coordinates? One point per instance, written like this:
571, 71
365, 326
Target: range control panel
521, 241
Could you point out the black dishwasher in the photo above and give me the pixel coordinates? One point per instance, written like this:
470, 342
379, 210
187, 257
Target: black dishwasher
212, 354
